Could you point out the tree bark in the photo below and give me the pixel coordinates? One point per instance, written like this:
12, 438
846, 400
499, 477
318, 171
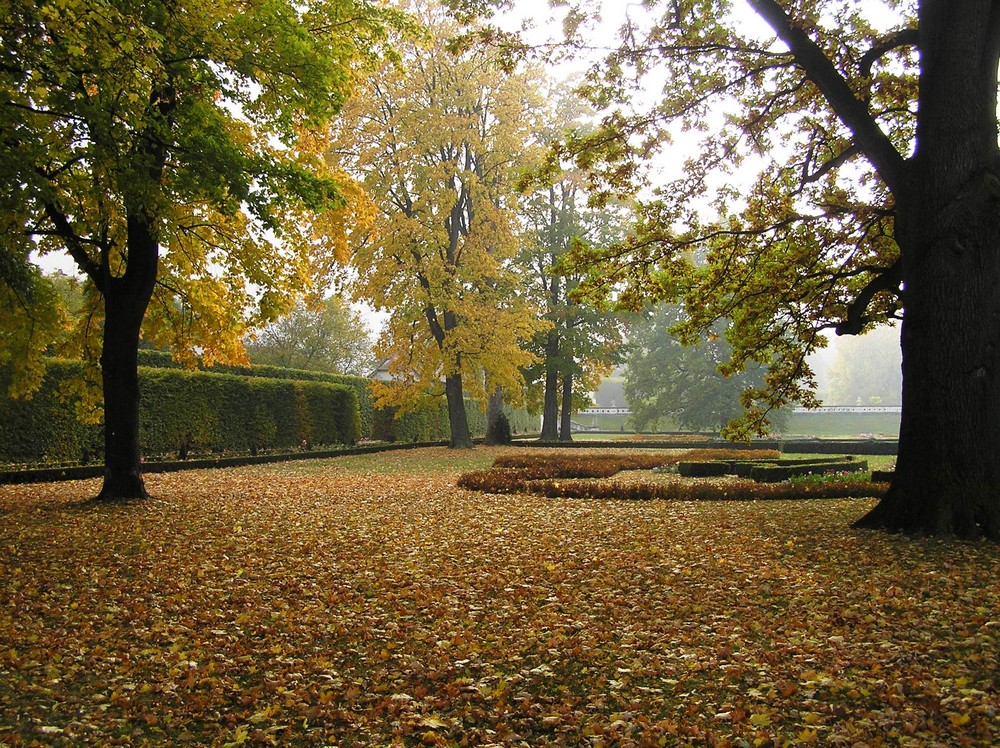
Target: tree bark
550, 407
125, 301
947, 478
566, 419
461, 437
120, 380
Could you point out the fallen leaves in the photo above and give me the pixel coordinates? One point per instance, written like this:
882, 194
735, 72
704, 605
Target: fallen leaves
357, 602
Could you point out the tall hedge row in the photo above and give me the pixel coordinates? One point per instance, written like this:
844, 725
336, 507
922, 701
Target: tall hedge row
45, 428
184, 411
360, 385
428, 423
223, 409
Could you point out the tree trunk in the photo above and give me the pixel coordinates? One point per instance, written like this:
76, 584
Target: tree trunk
125, 301
120, 380
458, 421
550, 408
566, 420
494, 412
947, 478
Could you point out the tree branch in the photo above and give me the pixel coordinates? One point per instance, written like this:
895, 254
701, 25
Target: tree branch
74, 243
895, 40
852, 111
888, 280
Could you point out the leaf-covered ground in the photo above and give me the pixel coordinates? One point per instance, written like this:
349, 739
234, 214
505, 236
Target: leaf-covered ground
368, 601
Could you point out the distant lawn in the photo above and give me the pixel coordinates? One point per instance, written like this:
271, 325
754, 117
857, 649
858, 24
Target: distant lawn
367, 601
847, 425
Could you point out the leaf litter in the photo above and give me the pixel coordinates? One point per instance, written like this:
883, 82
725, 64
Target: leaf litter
355, 602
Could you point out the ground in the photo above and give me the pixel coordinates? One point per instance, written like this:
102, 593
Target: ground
367, 601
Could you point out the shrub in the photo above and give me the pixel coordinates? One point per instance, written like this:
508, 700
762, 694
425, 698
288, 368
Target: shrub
573, 476
784, 470
181, 412
499, 431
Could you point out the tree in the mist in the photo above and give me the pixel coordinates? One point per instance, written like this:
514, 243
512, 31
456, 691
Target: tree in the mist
666, 380
866, 369
873, 129
437, 142
170, 150
326, 336
583, 342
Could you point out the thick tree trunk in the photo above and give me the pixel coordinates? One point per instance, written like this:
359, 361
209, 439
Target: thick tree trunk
550, 406
461, 438
125, 301
566, 420
120, 379
947, 478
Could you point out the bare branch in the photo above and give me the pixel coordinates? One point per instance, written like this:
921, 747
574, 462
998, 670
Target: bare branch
895, 40
888, 280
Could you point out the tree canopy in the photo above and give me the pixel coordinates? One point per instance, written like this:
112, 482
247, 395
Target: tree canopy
438, 143
325, 336
869, 132
174, 151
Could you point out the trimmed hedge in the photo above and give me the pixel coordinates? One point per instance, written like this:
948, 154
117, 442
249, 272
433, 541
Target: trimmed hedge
360, 385
428, 423
786, 469
44, 428
183, 411
563, 478
222, 408
770, 470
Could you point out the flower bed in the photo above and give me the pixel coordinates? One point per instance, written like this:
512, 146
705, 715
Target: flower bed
586, 476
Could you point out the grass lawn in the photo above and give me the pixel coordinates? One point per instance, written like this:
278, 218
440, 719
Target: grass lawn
367, 601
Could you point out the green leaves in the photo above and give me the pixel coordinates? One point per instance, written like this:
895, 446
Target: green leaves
778, 214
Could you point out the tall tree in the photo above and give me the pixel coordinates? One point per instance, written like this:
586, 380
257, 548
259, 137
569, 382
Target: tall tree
438, 143
876, 196
666, 379
327, 336
582, 343
168, 147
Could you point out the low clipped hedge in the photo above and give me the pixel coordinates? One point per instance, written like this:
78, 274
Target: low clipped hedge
782, 471
771, 470
584, 476
736, 489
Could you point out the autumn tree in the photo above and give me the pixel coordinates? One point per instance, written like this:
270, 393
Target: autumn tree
438, 142
325, 336
171, 150
583, 341
871, 130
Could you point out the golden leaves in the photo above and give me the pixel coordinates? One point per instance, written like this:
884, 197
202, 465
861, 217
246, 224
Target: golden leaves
368, 601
